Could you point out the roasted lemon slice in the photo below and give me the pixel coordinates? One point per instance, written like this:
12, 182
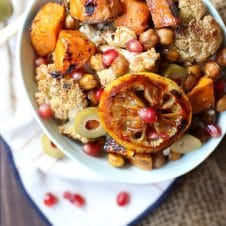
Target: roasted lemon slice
122, 101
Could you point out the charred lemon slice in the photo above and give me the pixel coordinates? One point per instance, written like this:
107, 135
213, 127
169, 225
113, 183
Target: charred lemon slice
122, 101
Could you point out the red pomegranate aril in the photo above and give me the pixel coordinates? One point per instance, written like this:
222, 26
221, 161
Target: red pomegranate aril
45, 111
148, 114
39, 61
109, 56
92, 149
214, 130
98, 94
153, 135
78, 200
68, 195
219, 88
123, 198
134, 46
50, 199
53, 145
77, 75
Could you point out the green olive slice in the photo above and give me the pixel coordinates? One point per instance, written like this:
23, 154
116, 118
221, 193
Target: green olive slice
50, 149
87, 123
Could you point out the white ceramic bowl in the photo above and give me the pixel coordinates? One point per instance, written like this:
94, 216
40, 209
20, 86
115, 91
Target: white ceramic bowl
25, 57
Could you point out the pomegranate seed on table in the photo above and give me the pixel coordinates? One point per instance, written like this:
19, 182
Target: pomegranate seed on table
50, 199
98, 93
45, 111
109, 56
123, 198
39, 61
78, 200
134, 46
92, 149
67, 195
214, 130
148, 114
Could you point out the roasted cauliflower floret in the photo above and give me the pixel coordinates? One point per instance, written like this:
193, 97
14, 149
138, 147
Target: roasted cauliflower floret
199, 40
106, 76
64, 96
190, 9
146, 61
120, 37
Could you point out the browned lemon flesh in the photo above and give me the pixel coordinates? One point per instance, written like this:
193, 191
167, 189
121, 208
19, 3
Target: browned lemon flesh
124, 97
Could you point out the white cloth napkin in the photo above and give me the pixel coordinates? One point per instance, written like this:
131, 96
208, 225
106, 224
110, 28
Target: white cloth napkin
40, 174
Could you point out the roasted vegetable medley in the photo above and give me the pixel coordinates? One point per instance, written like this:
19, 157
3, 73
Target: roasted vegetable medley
141, 81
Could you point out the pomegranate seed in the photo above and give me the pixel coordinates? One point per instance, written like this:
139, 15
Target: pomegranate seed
148, 115
45, 111
39, 61
164, 135
214, 130
92, 149
67, 195
50, 199
123, 198
77, 75
134, 46
98, 94
219, 88
78, 200
153, 135
109, 56
53, 145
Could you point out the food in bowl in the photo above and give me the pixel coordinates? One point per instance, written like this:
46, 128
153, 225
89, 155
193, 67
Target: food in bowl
144, 93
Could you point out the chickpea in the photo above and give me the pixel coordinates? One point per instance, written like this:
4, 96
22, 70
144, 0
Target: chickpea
221, 104
159, 161
120, 66
212, 69
115, 160
221, 57
149, 39
173, 156
195, 70
189, 82
70, 23
88, 82
171, 55
96, 62
166, 36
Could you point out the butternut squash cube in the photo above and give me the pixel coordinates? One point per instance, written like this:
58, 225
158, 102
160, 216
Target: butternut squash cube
46, 26
202, 95
73, 50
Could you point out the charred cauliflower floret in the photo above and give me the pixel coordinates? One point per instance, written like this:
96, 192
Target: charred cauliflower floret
106, 76
190, 9
120, 37
146, 61
199, 40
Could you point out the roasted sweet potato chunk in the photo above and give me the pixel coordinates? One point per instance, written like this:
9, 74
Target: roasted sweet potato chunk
164, 13
135, 15
73, 49
46, 26
94, 11
202, 95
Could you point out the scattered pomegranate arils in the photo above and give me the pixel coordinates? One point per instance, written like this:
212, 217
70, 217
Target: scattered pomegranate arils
109, 56
53, 145
214, 130
67, 195
148, 114
134, 46
78, 200
92, 149
77, 75
45, 111
98, 93
123, 198
50, 199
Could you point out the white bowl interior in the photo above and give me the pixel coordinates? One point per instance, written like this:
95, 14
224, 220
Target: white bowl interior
26, 56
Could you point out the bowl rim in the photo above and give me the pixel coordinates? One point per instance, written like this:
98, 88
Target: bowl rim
116, 175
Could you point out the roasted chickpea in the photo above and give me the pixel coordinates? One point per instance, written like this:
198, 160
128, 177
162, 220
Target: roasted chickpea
212, 69
173, 156
88, 82
70, 23
195, 69
166, 36
149, 39
189, 82
120, 66
159, 161
115, 160
221, 57
96, 62
171, 55
221, 104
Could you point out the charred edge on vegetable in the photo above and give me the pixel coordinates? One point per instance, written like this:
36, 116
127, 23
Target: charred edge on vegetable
71, 68
56, 74
90, 6
183, 124
176, 94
